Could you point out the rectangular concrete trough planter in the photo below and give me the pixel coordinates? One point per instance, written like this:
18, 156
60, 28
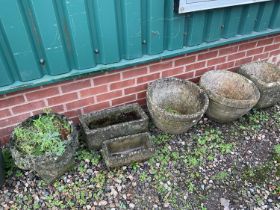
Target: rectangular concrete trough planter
112, 123
125, 150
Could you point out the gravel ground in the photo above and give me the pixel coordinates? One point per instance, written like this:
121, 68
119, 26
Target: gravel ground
213, 166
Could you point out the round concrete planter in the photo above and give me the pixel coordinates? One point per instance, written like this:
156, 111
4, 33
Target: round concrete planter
176, 105
231, 95
49, 166
266, 77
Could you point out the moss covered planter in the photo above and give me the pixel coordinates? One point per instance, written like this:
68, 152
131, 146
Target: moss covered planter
2, 172
266, 77
48, 166
231, 95
112, 123
176, 105
125, 150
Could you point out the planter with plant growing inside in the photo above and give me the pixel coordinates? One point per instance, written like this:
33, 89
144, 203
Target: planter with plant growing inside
45, 143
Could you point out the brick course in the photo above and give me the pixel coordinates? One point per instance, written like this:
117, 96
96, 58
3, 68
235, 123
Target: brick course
103, 90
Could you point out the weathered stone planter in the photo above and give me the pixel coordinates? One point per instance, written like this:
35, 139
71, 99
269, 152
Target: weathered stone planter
176, 105
49, 166
124, 150
112, 123
231, 95
266, 77
2, 172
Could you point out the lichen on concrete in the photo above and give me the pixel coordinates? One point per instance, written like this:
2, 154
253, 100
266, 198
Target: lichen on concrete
176, 105
231, 95
49, 166
112, 123
266, 77
127, 149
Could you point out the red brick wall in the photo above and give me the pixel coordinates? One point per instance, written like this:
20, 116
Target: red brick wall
104, 90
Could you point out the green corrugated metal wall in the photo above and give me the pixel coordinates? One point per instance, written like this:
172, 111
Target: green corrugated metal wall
51, 40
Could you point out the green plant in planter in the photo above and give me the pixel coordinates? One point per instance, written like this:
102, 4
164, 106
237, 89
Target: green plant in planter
44, 135
172, 111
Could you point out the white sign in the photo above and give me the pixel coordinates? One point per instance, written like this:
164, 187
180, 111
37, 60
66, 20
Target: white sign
184, 6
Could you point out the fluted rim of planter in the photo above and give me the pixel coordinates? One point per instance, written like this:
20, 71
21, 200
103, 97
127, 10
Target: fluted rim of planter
251, 68
31, 160
216, 75
175, 116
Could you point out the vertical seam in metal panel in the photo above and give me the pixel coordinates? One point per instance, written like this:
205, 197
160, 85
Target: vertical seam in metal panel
64, 29
92, 29
5, 63
8, 55
244, 14
274, 12
120, 29
187, 27
222, 26
165, 31
33, 34
227, 15
259, 16
144, 25
208, 20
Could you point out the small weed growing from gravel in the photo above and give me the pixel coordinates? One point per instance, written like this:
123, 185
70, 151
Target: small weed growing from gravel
99, 179
143, 177
276, 116
258, 174
89, 156
226, 148
221, 176
277, 149
18, 173
161, 138
252, 121
191, 187
135, 166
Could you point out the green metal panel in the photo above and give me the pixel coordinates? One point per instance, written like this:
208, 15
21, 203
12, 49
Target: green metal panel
214, 25
78, 23
107, 31
195, 24
21, 47
155, 27
275, 20
49, 29
174, 30
264, 16
42, 42
5, 78
130, 25
249, 18
232, 20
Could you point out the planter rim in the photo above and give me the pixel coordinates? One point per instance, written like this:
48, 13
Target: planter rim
257, 80
234, 103
175, 116
82, 118
108, 158
44, 156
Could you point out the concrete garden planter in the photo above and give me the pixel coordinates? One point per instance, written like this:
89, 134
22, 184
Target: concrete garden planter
48, 166
2, 167
124, 150
266, 77
231, 95
112, 123
176, 105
